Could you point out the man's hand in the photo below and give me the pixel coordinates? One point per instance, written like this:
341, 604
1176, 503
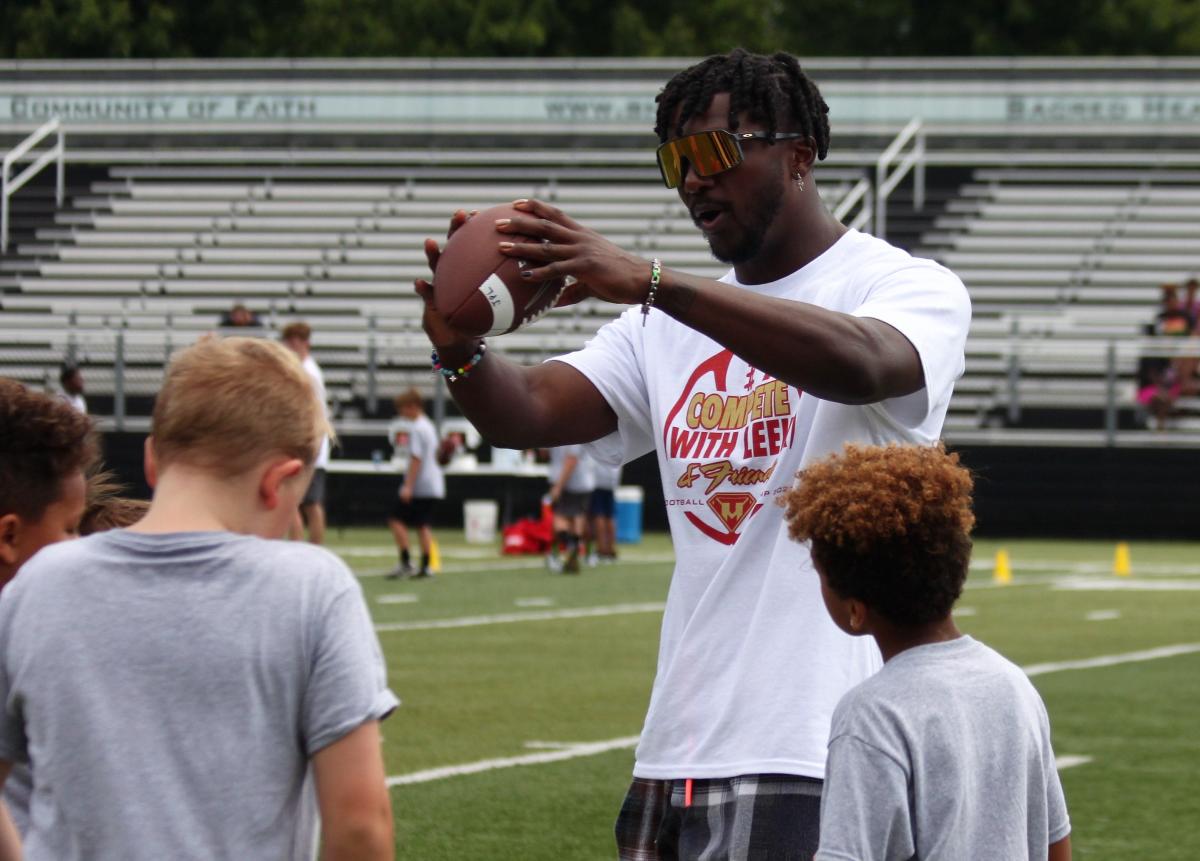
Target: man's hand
441, 334
568, 249
406, 495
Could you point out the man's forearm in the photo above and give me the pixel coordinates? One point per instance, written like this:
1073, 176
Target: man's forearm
834, 356
514, 406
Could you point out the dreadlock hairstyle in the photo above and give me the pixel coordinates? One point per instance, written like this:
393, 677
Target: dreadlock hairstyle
770, 90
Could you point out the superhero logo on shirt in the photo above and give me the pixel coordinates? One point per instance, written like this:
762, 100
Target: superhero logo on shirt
726, 432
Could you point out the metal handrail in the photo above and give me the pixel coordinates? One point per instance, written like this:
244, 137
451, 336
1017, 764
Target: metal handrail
9, 187
860, 193
886, 183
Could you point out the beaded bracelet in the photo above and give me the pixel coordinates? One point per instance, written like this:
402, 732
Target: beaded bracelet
655, 275
455, 374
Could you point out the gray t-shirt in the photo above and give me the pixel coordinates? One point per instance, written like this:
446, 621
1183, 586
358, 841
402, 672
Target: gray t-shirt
169, 691
419, 438
580, 480
944, 755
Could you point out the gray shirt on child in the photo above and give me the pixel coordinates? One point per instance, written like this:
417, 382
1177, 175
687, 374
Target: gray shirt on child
944, 755
169, 691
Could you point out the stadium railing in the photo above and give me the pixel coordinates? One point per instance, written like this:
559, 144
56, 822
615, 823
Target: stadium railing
11, 185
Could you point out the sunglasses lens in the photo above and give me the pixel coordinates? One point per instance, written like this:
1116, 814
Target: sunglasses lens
708, 153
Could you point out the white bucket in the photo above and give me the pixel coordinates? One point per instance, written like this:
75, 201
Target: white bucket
479, 520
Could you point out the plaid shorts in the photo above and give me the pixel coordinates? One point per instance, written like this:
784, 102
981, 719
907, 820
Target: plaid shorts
756, 817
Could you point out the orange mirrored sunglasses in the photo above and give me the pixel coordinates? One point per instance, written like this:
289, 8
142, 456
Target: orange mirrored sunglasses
708, 153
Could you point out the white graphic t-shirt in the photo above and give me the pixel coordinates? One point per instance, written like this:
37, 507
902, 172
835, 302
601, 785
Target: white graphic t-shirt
750, 666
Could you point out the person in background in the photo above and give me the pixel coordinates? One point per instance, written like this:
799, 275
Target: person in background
1173, 319
297, 337
1191, 301
259, 653
70, 379
571, 485
602, 513
919, 765
239, 317
48, 449
424, 484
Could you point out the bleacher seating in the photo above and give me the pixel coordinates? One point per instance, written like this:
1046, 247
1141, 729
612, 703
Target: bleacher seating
143, 252
1060, 263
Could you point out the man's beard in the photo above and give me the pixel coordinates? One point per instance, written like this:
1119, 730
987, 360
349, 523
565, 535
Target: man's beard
761, 218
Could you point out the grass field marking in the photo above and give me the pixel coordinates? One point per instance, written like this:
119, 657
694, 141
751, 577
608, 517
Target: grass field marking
1070, 761
522, 563
1149, 569
529, 616
398, 598
965, 611
534, 602
1103, 615
1112, 660
570, 751
1113, 584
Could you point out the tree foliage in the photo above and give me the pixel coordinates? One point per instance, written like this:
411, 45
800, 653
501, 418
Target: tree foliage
562, 28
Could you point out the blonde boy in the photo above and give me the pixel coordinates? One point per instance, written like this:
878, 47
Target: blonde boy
174, 699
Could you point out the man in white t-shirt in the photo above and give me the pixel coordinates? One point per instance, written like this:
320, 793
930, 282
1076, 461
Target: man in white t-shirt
297, 337
818, 336
415, 437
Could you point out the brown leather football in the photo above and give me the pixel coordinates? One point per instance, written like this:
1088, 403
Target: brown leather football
480, 291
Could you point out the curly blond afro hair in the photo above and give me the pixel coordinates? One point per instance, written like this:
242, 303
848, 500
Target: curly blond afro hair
888, 525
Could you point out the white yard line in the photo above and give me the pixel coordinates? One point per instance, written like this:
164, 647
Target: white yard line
518, 563
1153, 569
534, 602
1070, 761
1103, 615
399, 598
529, 616
559, 751
1112, 660
570, 752
1124, 584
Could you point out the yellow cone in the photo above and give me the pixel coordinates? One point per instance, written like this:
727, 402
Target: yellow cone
1121, 565
435, 556
1002, 572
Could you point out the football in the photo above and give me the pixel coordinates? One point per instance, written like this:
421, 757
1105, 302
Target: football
480, 291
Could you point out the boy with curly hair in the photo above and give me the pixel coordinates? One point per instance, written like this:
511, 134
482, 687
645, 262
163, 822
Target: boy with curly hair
945, 752
183, 697
47, 449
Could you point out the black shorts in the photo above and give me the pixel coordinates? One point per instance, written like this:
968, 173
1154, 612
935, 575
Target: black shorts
416, 513
603, 502
572, 504
315, 495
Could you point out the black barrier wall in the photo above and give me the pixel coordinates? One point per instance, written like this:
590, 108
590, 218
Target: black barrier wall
1021, 491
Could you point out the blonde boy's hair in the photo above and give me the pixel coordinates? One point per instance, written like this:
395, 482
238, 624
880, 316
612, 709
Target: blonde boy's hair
227, 404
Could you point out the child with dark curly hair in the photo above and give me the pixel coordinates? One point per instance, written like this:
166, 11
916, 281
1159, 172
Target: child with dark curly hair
47, 449
945, 753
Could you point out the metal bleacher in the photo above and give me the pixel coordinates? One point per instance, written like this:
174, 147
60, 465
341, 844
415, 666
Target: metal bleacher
1065, 267
1063, 191
156, 257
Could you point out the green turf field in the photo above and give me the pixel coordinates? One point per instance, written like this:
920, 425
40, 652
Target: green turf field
498, 661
